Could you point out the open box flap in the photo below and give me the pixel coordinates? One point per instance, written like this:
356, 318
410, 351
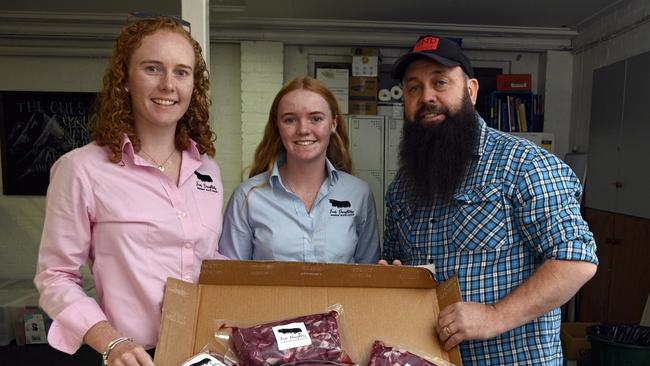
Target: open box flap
274, 273
178, 323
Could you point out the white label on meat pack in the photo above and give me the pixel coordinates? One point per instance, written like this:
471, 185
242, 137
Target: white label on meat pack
291, 336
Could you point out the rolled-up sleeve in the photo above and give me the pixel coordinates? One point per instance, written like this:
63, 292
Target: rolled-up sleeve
65, 247
548, 212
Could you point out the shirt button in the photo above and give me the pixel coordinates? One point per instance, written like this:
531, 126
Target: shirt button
187, 277
188, 245
430, 261
183, 214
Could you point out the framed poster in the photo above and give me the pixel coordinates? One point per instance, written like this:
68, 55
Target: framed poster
36, 128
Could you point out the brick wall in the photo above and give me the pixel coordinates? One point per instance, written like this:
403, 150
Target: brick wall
261, 78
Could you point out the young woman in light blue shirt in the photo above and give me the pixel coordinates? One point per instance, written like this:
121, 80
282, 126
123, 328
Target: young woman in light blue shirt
301, 202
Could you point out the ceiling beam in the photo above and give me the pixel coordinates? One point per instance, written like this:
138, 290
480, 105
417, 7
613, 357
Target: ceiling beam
19, 30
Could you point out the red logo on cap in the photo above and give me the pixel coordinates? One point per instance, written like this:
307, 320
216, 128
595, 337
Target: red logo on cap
426, 44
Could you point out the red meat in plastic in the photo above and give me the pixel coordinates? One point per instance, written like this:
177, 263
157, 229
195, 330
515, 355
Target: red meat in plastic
383, 355
257, 346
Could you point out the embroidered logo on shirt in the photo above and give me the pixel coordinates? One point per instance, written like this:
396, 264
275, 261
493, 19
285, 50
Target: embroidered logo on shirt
341, 208
204, 183
203, 177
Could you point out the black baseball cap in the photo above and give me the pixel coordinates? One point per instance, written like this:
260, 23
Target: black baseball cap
441, 50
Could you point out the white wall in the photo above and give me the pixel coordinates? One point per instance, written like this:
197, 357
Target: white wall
225, 114
619, 34
557, 93
261, 78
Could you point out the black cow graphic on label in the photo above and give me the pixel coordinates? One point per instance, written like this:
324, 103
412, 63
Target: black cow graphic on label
340, 204
289, 330
203, 177
203, 362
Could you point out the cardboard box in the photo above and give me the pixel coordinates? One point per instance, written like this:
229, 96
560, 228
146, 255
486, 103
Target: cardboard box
362, 107
396, 304
365, 61
575, 345
516, 82
363, 86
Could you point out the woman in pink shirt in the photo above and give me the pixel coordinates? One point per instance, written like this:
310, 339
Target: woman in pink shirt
139, 204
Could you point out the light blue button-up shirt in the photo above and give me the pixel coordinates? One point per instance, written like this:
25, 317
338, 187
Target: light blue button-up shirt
266, 221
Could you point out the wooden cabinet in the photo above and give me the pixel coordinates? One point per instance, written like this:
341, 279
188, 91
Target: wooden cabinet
618, 291
618, 176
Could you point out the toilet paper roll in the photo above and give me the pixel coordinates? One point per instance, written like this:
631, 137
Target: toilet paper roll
396, 92
384, 95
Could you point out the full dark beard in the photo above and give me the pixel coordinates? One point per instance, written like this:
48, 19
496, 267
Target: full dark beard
434, 158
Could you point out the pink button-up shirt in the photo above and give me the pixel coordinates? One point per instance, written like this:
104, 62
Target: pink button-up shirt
134, 227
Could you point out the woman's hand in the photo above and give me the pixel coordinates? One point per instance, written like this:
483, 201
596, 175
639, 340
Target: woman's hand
129, 354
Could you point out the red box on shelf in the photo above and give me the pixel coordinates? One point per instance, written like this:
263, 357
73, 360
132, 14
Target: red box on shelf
514, 82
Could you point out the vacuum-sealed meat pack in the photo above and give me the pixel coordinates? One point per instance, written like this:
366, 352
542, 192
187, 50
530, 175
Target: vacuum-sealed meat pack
307, 340
383, 355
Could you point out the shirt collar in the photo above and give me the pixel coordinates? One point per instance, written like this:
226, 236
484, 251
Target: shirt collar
480, 147
274, 177
127, 149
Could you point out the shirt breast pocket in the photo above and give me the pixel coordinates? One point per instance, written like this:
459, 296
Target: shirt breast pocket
481, 221
403, 218
209, 207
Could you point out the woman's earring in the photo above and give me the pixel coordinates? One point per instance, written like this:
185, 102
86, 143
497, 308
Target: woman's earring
127, 89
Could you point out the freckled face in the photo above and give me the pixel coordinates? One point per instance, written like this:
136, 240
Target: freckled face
305, 122
161, 79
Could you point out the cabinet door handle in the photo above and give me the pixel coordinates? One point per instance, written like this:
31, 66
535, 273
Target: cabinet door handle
618, 184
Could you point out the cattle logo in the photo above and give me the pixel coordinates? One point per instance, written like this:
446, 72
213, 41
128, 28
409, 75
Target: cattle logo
341, 208
203, 177
205, 183
289, 330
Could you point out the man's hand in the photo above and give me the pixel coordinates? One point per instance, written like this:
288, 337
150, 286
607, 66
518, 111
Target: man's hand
463, 321
384, 262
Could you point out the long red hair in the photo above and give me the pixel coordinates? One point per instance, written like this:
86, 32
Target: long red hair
271, 145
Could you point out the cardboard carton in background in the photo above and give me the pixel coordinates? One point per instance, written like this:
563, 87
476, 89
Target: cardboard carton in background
365, 61
363, 86
362, 107
363, 95
389, 303
575, 345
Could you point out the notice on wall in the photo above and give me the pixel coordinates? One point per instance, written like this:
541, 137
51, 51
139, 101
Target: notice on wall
36, 128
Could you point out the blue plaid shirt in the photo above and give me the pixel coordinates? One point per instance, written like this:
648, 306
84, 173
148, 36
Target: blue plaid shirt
517, 207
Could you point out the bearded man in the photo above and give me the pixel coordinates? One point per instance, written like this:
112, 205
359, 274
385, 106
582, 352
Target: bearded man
497, 211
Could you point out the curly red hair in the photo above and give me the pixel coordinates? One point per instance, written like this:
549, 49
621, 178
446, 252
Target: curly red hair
114, 116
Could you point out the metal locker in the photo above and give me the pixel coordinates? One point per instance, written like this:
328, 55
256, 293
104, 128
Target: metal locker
367, 151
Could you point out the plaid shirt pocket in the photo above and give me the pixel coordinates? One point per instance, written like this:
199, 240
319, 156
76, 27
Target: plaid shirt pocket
481, 220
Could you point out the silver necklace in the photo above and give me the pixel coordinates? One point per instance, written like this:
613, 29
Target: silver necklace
160, 166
